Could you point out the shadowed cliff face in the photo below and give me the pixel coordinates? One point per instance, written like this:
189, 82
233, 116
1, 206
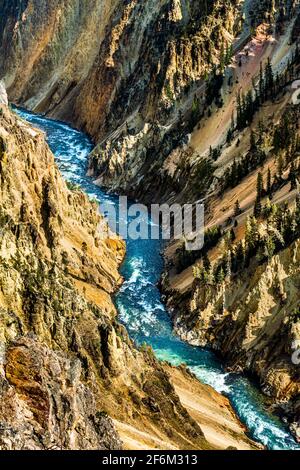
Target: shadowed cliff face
48, 47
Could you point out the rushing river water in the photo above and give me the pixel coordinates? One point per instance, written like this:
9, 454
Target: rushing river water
139, 303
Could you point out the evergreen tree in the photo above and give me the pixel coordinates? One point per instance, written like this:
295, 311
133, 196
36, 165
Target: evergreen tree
257, 208
206, 262
252, 235
237, 209
293, 176
220, 276
277, 140
269, 81
280, 166
269, 183
240, 256
261, 85
232, 122
260, 133
253, 146
297, 213
228, 54
259, 195
239, 111
222, 58
270, 246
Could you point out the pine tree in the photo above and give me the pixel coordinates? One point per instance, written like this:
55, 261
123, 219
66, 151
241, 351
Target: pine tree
232, 122
260, 133
269, 183
253, 146
220, 276
206, 262
261, 85
229, 136
297, 215
269, 81
280, 166
252, 237
222, 58
234, 174
270, 246
257, 208
293, 176
277, 140
232, 235
259, 195
249, 108
260, 185
237, 209
228, 54
239, 111
240, 256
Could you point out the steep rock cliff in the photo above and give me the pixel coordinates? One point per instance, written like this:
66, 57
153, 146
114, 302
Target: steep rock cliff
68, 371
64, 359
253, 321
46, 400
137, 76
127, 72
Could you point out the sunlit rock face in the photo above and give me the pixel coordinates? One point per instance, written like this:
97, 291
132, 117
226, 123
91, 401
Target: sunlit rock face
48, 242
67, 367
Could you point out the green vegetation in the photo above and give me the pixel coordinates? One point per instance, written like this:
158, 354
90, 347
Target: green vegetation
285, 146
281, 228
187, 258
72, 186
214, 86
196, 113
202, 175
267, 88
168, 92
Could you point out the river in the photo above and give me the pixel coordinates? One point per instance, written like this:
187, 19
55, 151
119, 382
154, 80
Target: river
139, 302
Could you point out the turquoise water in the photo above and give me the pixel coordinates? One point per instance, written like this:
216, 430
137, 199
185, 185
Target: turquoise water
139, 303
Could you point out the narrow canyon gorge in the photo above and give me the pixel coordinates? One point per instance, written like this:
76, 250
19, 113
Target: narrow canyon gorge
165, 101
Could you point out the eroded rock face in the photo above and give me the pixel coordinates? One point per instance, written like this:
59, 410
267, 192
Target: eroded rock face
45, 404
126, 72
47, 234
67, 367
253, 322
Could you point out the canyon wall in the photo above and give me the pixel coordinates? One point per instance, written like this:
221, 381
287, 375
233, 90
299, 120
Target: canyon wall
242, 301
65, 362
134, 75
70, 377
253, 322
126, 72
